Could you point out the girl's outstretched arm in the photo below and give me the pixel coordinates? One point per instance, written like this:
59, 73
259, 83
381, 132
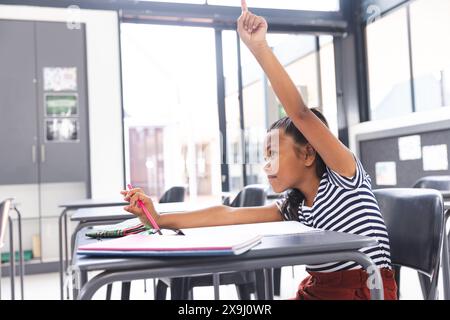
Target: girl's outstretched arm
253, 29
207, 217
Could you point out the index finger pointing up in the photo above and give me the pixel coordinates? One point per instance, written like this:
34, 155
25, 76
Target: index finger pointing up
244, 5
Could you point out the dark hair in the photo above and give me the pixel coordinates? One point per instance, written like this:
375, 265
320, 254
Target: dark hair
295, 197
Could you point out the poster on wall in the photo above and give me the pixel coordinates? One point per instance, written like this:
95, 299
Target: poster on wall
435, 158
61, 105
61, 130
60, 79
386, 173
409, 148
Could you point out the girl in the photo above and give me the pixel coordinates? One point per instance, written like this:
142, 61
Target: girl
329, 188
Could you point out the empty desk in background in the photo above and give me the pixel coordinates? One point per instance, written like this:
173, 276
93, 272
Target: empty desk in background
272, 252
71, 206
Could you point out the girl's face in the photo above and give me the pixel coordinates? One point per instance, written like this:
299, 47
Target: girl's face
286, 163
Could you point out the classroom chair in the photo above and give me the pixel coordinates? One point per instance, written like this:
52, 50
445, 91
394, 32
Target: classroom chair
246, 282
173, 194
441, 183
415, 222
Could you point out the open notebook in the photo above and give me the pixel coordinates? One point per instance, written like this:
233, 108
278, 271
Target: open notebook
263, 229
156, 245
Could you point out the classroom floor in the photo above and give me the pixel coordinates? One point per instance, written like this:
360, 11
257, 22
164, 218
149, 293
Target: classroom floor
46, 287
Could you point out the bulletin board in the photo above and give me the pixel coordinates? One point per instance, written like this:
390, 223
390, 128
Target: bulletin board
384, 154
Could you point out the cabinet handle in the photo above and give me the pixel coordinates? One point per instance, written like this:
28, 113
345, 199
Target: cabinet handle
33, 153
42, 152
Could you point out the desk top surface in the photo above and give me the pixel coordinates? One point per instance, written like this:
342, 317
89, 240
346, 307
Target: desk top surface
92, 203
118, 213
270, 248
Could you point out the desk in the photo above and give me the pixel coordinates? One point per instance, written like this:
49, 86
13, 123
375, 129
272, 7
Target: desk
272, 252
70, 206
445, 254
96, 215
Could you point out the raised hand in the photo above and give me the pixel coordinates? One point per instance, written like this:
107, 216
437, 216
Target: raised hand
252, 29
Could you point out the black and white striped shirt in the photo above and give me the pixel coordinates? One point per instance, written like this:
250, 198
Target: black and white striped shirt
346, 205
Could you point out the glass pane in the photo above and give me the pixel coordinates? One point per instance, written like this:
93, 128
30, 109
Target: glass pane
234, 138
322, 5
170, 103
179, 1
430, 27
261, 107
328, 82
388, 66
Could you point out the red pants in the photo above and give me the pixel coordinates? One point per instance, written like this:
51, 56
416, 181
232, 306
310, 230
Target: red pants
344, 285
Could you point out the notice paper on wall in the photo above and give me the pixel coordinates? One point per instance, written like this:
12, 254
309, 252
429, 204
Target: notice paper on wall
60, 79
61, 105
409, 148
386, 173
435, 158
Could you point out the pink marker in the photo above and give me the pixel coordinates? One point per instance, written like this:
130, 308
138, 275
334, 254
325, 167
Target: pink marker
147, 214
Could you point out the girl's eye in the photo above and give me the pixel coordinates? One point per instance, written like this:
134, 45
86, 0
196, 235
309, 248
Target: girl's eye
271, 155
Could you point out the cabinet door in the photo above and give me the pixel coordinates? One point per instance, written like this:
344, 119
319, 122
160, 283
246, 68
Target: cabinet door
18, 127
62, 103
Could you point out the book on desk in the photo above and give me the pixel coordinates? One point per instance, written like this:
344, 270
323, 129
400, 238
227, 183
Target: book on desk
220, 240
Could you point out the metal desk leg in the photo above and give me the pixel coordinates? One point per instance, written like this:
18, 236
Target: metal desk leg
22, 266
445, 261
216, 283
268, 284
375, 282
66, 261
11, 258
61, 257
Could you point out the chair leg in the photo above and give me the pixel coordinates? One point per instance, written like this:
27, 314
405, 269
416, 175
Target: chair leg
277, 281
260, 290
108, 291
179, 289
397, 279
243, 291
190, 294
161, 290
126, 287
424, 285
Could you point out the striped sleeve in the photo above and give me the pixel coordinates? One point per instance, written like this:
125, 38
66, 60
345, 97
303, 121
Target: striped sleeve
348, 183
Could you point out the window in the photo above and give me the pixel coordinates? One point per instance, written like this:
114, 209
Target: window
322, 5
430, 27
328, 82
310, 5
235, 158
171, 121
389, 66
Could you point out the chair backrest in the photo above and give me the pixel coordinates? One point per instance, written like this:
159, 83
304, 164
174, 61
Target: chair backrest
174, 194
4, 214
415, 222
253, 195
441, 183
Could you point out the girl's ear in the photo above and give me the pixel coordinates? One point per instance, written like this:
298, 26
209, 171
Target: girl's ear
310, 154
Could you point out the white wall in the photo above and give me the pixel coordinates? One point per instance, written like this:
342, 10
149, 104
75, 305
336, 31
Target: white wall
104, 97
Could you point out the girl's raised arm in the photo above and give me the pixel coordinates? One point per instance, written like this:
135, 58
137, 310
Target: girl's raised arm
253, 29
